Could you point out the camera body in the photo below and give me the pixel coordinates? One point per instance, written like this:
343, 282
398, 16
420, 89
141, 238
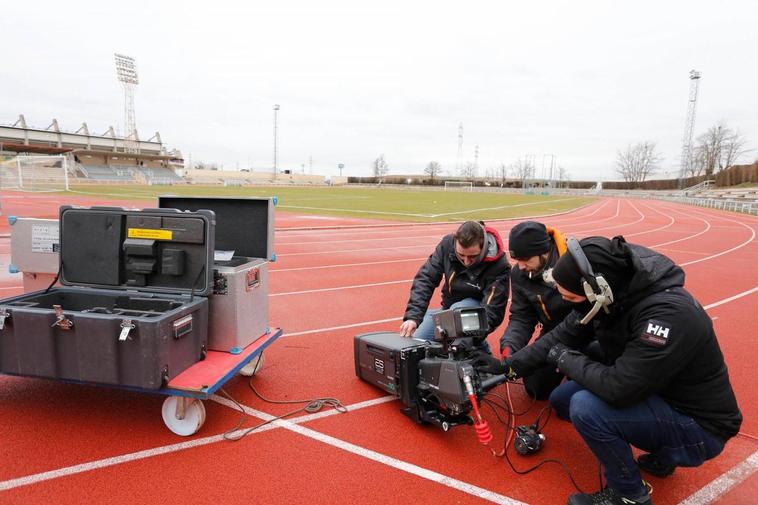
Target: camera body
430, 378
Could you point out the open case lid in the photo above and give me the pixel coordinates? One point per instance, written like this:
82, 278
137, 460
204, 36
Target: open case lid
243, 225
155, 250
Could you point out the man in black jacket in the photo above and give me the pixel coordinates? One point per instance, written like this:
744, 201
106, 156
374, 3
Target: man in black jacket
534, 298
475, 268
662, 385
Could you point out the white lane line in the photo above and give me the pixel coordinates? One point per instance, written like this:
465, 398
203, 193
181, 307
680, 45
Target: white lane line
326, 240
344, 326
398, 464
371, 249
166, 449
469, 211
721, 485
740, 246
731, 298
340, 288
671, 222
345, 265
357, 211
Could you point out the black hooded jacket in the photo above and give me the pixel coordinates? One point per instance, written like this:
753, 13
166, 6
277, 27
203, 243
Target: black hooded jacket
534, 302
657, 339
487, 280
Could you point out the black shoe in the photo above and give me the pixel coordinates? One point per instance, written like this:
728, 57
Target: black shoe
605, 497
650, 464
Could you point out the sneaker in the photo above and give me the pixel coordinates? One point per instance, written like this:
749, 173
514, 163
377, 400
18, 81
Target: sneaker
605, 497
649, 463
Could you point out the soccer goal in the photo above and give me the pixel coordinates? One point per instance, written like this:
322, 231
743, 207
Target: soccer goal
459, 186
34, 173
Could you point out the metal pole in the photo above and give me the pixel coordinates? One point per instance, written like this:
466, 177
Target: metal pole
276, 113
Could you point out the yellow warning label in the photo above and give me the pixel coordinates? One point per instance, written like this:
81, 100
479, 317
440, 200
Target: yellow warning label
151, 234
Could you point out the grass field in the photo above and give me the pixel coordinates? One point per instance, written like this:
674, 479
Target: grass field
378, 203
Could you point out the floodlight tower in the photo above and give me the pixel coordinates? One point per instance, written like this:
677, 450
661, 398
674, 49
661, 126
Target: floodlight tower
460, 149
685, 164
276, 114
126, 71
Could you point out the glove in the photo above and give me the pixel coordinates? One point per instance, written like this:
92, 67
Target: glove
487, 363
556, 354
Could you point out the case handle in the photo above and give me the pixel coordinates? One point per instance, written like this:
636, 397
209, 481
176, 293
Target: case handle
182, 326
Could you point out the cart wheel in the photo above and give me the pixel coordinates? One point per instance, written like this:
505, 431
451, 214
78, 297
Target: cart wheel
253, 367
194, 415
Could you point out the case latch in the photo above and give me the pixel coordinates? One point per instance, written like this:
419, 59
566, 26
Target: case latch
60, 319
126, 326
4, 314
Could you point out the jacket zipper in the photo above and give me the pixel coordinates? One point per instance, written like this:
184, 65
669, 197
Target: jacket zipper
544, 309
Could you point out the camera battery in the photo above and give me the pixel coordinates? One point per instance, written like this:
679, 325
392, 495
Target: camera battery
390, 362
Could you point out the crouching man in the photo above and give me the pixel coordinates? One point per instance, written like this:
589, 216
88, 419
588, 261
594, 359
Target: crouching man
662, 386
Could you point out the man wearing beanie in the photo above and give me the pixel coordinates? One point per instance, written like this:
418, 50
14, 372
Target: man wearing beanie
662, 385
475, 270
534, 299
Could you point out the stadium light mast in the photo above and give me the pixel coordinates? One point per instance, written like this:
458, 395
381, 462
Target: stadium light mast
685, 163
126, 72
276, 114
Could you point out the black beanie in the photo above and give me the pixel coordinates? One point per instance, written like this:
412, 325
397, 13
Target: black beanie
607, 257
567, 274
528, 239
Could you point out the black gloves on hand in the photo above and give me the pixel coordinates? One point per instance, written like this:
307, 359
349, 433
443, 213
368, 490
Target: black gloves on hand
487, 363
556, 354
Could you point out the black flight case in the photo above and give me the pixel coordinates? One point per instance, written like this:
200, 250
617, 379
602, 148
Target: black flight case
132, 310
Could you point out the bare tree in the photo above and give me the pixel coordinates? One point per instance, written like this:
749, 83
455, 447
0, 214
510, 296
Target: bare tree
637, 162
433, 169
716, 149
380, 167
523, 169
502, 171
468, 171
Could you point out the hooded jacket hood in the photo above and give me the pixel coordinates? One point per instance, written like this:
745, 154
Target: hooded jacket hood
493, 245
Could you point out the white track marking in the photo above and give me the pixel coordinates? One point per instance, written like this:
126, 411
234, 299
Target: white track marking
344, 326
731, 298
721, 485
125, 458
345, 265
470, 211
340, 288
671, 222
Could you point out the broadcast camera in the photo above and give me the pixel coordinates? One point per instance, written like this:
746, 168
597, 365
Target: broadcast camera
436, 381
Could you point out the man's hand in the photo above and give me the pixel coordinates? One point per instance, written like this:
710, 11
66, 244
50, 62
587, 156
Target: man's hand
487, 363
408, 328
556, 354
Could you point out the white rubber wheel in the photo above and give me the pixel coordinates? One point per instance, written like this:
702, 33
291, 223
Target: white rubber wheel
253, 367
194, 416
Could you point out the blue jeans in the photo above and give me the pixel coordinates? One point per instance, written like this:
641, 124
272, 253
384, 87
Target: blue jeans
425, 330
651, 425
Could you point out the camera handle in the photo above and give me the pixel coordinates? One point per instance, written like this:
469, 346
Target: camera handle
481, 427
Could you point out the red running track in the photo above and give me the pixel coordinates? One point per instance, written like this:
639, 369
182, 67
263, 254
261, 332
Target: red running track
72, 444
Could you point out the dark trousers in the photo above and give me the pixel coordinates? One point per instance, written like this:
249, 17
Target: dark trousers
540, 383
651, 425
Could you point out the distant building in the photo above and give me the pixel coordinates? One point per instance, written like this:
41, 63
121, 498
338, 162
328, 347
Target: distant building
87, 150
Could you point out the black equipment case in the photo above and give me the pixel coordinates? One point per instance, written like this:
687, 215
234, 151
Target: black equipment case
389, 361
133, 310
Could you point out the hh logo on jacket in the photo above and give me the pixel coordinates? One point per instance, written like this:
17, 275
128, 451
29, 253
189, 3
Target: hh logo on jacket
656, 333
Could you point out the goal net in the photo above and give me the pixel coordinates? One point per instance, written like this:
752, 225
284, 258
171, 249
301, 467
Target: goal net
34, 173
459, 186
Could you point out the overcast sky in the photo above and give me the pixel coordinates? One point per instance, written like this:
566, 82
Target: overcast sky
576, 79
